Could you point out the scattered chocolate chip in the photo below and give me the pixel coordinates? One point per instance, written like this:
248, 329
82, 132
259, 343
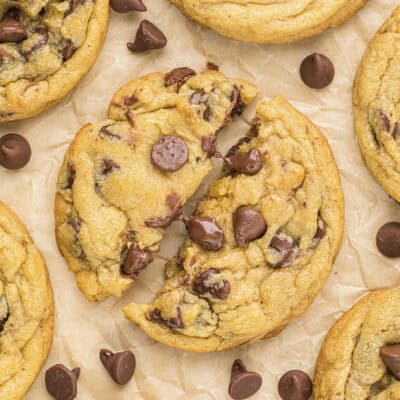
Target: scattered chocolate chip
109, 166
391, 357
248, 163
321, 230
104, 131
75, 224
148, 37
248, 225
173, 203
243, 383
171, 323
197, 97
208, 145
287, 246
135, 260
178, 76
295, 385
15, 151
61, 383
12, 30
317, 71
121, 366
209, 282
124, 6
388, 239
69, 50
169, 153
212, 67
206, 232
130, 100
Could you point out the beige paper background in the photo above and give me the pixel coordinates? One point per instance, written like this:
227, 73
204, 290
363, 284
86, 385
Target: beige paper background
83, 328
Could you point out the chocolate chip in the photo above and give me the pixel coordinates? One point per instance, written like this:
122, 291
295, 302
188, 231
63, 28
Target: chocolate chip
174, 323
321, 230
130, 100
207, 113
61, 383
235, 148
135, 260
248, 225
317, 71
169, 153
178, 76
209, 282
11, 30
391, 357
243, 383
388, 239
248, 163
237, 103
75, 225
295, 385
206, 232
71, 176
208, 145
104, 131
174, 206
130, 117
148, 37
197, 97
124, 6
121, 366
212, 67
384, 120
286, 246
68, 50
4, 313
109, 166
73, 5
15, 151
43, 39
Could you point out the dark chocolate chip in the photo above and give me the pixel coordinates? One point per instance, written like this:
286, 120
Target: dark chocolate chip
15, 151
245, 163
109, 166
148, 37
317, 71
169, 153
174, 323
206, 232
71, 176
12, 30
391, 357
69, 50
124, 6
121, 366
237, 103
130, 100
209, 282
212, 67
197, 97
135, 260
178, 76
295, 385
287, 247
104, 131
61, 383
248, 225
243, 383
208, 145
388, 239
4, 317
321, 230
235, 148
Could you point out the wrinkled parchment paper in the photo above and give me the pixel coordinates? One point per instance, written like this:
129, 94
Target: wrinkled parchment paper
164, 373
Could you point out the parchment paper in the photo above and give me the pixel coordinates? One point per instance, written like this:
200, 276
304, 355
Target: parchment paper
83, 328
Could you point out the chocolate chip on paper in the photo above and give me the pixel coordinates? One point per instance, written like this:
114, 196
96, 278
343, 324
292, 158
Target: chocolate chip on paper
148, 37
15, 151
388, 239
124, 6
121, 366
295, 385
317, 71
61, 382
243, 383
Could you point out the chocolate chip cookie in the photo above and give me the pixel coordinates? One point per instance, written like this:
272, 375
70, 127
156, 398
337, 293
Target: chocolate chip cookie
376, 97
360, 356
26, 308
261, 243
46, 47
269, 21
124, 180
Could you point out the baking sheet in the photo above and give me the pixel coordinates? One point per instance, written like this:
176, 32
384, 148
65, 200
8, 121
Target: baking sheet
83, 328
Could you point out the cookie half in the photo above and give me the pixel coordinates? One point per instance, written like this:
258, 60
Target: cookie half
268, 21
46, 47
26, 308
124, 180
282, 228
376, 97
351, 363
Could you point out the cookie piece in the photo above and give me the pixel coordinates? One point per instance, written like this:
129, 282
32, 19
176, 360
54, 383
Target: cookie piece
46, 47
26, 308
351, 364
124, 180
251, 289
269, 21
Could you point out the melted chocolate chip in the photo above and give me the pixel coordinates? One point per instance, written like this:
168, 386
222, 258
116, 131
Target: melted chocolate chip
130, 117
174, 206
287, 247
109, 166
208, 145
245, 163
248, 225
235, 148
197, 97
212, 67
121, 366
75, 224
237, 103
135, 260
206, 232
104, 131
12, 30
43, 39
174, 323
321, 230
69, 50
71, 176
295, 385
391, 357
124, 6
61, 383
243, 383
388, 239
178, 76
130, 100
15, 151
169, 153
148, 37
208, 282
317, 71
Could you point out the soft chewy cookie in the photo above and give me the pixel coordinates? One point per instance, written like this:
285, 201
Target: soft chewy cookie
262, 242
269, 21
125, 179
26, 308
360, 356
46, 47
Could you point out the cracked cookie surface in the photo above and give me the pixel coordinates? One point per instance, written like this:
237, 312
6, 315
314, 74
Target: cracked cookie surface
376, 99
125, 179
46, 47
282, 226
266, 21
26, 308
350, 366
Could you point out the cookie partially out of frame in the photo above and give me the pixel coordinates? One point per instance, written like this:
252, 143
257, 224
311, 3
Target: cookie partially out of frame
26, 308
350, 366
46, 47
269, 21
113, 199
282, 227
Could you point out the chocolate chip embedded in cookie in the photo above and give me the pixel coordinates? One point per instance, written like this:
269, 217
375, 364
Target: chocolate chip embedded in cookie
281, 227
